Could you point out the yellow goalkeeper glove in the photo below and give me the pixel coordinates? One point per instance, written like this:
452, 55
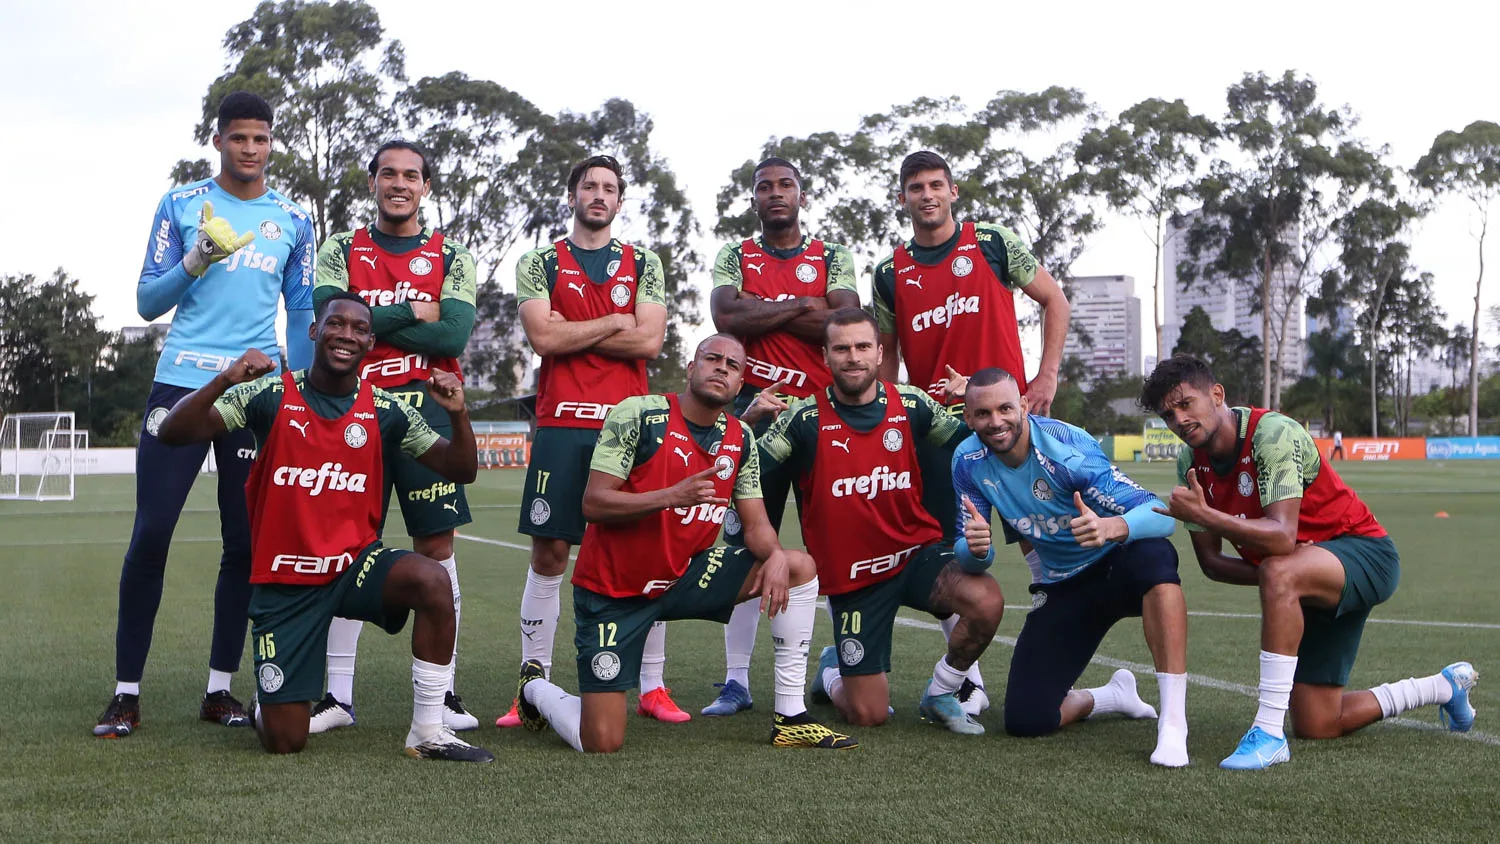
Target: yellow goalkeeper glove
216, 241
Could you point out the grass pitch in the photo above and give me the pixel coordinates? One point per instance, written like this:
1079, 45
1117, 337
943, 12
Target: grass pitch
180, 779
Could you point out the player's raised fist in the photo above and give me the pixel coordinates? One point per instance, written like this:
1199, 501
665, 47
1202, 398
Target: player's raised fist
250, 366
447, 390
216, 241
694, 490
976, 530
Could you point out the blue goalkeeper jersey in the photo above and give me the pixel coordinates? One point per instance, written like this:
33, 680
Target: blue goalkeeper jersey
1036, 498
232, 307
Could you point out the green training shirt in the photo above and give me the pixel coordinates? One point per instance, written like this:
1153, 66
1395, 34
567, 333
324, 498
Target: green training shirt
1008, 256
634, 430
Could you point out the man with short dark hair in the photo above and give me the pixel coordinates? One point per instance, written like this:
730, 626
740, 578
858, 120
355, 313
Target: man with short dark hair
1314, 550
852, 449
315, 512
660, 482
774, 292
946, 307
222, 251
595, 310
1100, 554
421, 290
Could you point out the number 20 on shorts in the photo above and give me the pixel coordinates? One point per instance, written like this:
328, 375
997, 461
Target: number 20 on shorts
849, 623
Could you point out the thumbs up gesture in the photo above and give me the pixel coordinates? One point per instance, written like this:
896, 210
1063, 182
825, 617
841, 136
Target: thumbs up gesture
1091, 531
976, 530
216, 241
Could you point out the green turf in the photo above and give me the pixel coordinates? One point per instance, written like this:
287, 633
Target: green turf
178, 778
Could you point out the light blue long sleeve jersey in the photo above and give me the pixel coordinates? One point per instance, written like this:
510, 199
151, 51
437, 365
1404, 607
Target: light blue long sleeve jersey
232, 307
1036, 498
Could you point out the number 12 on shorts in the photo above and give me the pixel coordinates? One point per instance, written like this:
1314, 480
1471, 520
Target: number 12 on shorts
607, 634
265, 646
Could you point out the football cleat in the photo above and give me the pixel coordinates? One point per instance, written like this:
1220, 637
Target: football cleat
1458, 714
658, 704
121, 717
221, 706
946, 710
512, 718
455, 717
802, 731
531, 717
973, 698
329, 714
829, 658
733, 698
1258, 750
446, 746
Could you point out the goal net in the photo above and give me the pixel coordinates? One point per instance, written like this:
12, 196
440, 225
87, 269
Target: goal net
39, 456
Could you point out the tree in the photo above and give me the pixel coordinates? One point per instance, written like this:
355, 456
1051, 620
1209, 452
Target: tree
1267, 221
323, 68
49, 335
1467, 164
1225, 352
1146, 164
112, 398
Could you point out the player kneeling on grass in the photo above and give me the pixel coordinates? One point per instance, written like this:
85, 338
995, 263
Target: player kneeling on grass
852, 447
314, 498
1050, 482
1312, 547
661, 480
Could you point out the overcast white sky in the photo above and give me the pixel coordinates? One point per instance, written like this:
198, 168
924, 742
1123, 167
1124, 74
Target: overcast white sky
100, 98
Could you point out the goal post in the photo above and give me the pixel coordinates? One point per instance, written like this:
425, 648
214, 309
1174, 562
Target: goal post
39, 456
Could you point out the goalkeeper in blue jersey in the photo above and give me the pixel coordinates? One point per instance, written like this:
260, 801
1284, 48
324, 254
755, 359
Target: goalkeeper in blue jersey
221, 251
1099, 554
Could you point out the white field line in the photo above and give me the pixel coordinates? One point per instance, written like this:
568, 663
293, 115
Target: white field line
1215, 683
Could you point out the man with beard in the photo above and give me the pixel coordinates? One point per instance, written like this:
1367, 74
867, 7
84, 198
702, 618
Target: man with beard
852, 447
222, 251
1051, 483
315, 510
420, 287
660, 482
1314, 550
595, 310
774, 292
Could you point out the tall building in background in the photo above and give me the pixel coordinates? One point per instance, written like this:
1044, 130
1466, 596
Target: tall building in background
1228, 303
1106, 308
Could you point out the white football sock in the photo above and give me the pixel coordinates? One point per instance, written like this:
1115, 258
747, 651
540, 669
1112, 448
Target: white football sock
1171, 727
1396, 698
945, 678
540, 606
429, 681
450, 565
128, 689
1276, 675
1173, 690
1119, 695
218, 681
832, 680
739, 641
791, 631
564, 712
654, 658
343, 643
973, 673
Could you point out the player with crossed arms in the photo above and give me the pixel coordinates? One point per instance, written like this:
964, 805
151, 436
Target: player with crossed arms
660, 482
595, 310
315, 499
774, 292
